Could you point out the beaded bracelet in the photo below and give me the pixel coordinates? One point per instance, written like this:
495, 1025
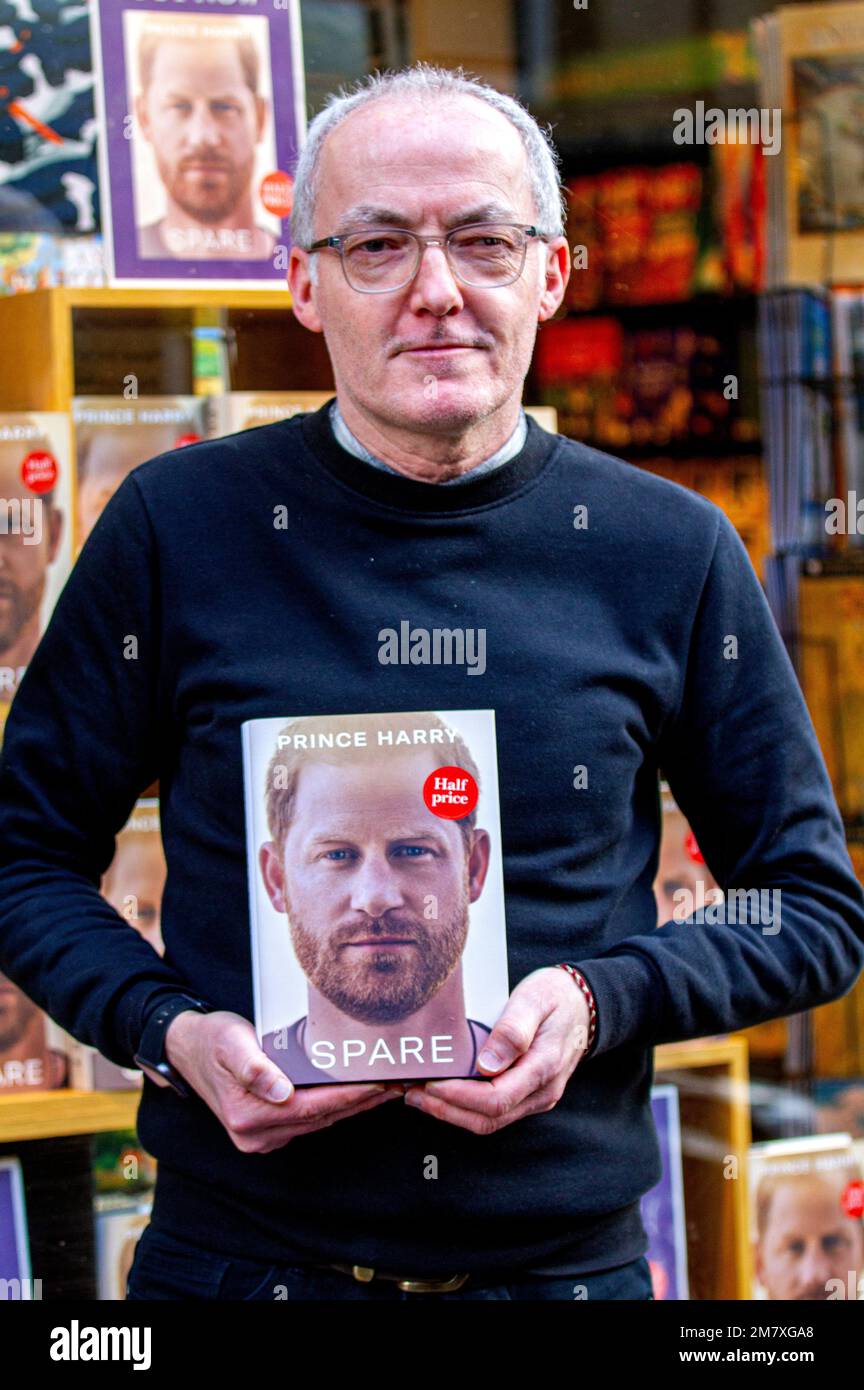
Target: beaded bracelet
592, 1006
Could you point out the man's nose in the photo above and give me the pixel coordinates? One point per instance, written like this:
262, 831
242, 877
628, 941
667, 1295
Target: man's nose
815, 1268
375, 889
435, 287
202, 129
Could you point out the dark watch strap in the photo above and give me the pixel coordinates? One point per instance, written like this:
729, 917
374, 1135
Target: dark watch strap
151, 1047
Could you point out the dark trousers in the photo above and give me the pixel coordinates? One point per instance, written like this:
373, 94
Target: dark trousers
166, 1268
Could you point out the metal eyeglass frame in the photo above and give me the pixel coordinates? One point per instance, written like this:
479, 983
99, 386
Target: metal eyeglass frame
335, 243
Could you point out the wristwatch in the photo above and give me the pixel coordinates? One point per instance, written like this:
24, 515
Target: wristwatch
151, 1047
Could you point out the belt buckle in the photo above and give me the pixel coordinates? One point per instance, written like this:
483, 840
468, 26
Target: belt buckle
432, 1285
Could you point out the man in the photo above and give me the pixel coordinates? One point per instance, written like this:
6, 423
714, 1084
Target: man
31, 528
808, 1246
255, 579
385, 975
200, 110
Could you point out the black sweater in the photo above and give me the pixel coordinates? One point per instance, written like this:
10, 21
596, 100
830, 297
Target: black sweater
192, 607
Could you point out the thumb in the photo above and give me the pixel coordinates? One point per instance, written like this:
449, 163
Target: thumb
512, 1035
253, 1069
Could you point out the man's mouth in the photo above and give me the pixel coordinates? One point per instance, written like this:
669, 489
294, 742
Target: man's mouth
383, 941
441, 347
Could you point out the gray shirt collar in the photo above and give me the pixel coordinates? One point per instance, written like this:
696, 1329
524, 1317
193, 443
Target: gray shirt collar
508, 450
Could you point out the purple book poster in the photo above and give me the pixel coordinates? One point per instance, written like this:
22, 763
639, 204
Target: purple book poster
663, 1206
14, 1251
201, 114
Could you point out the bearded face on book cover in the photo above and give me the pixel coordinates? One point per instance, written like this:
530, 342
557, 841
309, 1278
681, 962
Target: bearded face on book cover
373, 861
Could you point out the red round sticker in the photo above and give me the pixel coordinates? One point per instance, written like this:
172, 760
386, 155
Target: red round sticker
450, 792
277, 193
39, 471
692, 848
186, 439
852, 1198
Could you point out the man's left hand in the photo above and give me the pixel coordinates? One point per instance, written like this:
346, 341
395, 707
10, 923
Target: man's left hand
538, 1041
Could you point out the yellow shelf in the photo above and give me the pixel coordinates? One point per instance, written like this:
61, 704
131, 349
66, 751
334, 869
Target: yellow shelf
38, 332
103, 297
52, 1114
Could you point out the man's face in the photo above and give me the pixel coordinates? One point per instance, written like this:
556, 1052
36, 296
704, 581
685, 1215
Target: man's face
428, 168
376, 888
23, 561
203, 122
808, 1241
16, 1014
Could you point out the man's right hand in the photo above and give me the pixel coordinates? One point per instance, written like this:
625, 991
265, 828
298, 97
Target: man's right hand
220, 1057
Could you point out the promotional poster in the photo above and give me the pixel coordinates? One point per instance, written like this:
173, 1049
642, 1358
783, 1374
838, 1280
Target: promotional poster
113, 435
203, 109
807, 1232
663, 1207
36, 527
376, 892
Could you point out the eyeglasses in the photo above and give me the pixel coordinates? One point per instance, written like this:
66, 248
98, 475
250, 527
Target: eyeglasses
482, 255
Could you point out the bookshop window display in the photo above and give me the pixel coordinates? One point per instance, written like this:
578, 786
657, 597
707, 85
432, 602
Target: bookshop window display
711, 335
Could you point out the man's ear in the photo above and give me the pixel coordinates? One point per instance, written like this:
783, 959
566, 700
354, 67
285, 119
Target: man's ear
303, 293
478, 864
141, 118
273, 874
557, 273
262, 111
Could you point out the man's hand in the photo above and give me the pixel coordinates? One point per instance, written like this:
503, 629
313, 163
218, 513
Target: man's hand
220, 1057
538, 1041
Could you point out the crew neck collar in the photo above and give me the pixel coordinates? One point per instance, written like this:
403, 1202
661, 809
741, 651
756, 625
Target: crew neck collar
411, 495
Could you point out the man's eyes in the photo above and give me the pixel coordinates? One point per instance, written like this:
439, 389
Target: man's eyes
341, 856
220, 107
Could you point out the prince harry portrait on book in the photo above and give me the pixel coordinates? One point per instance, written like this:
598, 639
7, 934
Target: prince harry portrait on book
376, 890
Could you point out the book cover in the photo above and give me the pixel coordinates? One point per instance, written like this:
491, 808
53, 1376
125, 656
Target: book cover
14, 1242
376, 892
36, 523
663, 1207
806, 1203
32, 1055
243, 410
120, 1222
133, 884
113, 435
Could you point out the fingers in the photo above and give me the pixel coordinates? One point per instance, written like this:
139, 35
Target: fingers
486, 1122
251, 1136
513, 1034
499, 1094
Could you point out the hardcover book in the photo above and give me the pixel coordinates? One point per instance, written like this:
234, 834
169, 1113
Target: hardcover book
806, 1205
15, 1276
36, 523
376, 893
32, 1054
113, 435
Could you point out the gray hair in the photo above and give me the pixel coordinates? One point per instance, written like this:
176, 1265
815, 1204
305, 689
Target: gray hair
420, 81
